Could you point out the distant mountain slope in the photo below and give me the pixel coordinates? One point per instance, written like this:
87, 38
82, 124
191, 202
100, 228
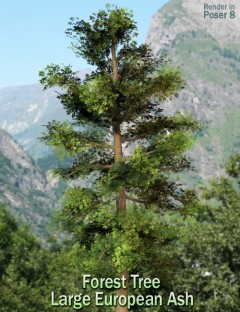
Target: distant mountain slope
208, 52
25, 109
23, 112
23, 188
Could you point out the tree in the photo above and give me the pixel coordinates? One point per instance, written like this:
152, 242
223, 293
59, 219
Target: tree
30, 272
120, 141
208, 251
7, 227
23, 266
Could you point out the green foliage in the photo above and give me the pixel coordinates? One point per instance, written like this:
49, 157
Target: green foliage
29, 272
92, 40
208, 249
7, 226
233, 166
23, 264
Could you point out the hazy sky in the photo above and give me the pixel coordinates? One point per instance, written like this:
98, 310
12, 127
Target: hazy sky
32, 33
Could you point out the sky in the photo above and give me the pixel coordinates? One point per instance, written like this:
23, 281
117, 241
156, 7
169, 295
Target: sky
32, 33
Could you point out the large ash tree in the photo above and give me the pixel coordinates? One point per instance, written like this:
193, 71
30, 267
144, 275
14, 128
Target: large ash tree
122, 144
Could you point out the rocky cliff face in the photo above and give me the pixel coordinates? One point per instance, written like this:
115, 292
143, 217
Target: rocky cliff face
180, 16
23, 188
208, 53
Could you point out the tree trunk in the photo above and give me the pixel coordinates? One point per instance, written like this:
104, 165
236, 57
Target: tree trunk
121, 206
114, 60
122, 292
121, 197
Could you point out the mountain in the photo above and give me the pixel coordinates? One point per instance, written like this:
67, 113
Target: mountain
24, 110
208, 53
24, 189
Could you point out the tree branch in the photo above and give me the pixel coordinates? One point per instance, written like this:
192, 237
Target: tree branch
98, 166
137, 137
94, 166
136, 199
98, 145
